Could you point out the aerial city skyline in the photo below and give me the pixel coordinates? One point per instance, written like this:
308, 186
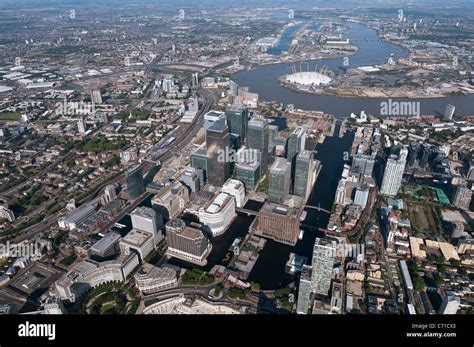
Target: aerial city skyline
229, 158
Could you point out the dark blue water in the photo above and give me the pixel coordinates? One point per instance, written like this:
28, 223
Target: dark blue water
285, 41
264, 81
270, 268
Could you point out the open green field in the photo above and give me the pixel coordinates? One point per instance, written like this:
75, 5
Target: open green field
13, 116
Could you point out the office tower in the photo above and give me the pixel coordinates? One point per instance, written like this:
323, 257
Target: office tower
296, 143
171, 200
470, 172
361, 196
324, 254
303, 303
96, 97
168, 83
233, 88
135, 182
449, 113
235, 142
273, 134
139, 242
187, 243
279, 180
146, 219
363, 164
81, 126
192, 179
218, 143
211, 117
413, 153
462, 197
257, 138
424, 155
237, 119
305, 173
450, 304
110, 192
195, 81
248, 173
198, 160
392, 177
279, 223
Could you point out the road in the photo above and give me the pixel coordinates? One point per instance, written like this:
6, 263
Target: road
165, 155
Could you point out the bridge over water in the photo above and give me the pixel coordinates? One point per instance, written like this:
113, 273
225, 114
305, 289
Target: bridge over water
249, 212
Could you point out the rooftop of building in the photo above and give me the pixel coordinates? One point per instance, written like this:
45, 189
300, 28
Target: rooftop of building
214, 114
175, 223
248, 165
305, 154
271, 207
306, 271
144, 211
137, 237
219, 125
236, 108
190, 171
258, 122
200, 151
299, 130
233, 184
79, 213
169, 190
280, 164
109, 239
191, 233
219, 201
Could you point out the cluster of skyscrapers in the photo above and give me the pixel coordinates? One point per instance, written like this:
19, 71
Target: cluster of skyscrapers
252, 141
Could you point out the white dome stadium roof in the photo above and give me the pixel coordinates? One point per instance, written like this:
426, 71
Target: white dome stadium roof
308, 78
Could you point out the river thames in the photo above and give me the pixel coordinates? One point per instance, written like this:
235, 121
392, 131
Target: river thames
269, 270
264, 81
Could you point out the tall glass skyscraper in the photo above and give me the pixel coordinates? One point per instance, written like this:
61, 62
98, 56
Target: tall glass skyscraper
305, 169
218, 143
248, 173
237, 120
392, 177
279, 180
296, 143
198, 160
135, 182
257, 138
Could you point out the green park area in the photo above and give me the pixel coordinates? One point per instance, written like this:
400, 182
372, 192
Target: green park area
10, 116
